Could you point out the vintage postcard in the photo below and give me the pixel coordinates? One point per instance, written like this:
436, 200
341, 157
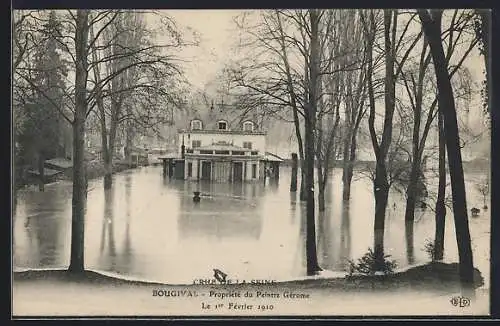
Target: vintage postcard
205, 163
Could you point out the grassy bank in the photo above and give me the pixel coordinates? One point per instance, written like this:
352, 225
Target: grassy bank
435, 276
423, 290
95, 169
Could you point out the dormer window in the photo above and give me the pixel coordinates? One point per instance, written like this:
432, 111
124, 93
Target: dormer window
248, 126
222, 125
196, 125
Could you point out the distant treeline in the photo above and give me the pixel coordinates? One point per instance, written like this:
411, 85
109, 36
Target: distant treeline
338, 164
474, 166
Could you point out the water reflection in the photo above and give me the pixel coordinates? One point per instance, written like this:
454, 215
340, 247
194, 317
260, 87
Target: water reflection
300, 261
223, 212
345, 236
293, 206
41, 241
149, 227
108, 249
127, 246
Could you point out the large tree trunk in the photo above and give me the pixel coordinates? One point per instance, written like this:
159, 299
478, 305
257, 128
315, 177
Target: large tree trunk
432, 28
440, 204
79, 178
381, 184
310, 124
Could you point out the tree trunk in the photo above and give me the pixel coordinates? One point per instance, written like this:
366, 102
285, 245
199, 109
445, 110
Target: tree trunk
432, 28
346, 169
411, 201
381, 191
440, 204
380, 183
109, 216
79, 178
345, 234
303, 195
108, 177
41, 172
321, 199
293, 181
346, 191
106, 158
485, 38
108, 169
310, 124
312, 260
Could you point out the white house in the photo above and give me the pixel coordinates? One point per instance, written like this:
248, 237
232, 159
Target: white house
222, 152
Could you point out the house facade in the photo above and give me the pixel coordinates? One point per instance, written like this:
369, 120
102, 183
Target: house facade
222, 152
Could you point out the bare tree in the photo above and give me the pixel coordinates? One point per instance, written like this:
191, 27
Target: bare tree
73, 35
132, 95
431, 22
484, 189
354, 104
393, 45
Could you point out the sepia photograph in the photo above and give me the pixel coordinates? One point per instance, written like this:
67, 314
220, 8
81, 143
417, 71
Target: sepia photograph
266, 162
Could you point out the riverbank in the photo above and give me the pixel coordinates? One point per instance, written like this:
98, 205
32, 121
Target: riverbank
95, 169
431, 276
418, 290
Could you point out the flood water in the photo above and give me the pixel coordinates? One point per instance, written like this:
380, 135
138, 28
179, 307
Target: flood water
148, 227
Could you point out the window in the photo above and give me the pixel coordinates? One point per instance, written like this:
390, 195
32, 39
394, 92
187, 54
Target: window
190, 169
195, 143
206, 152
222, 125
238, 153
255, 153
247, 144
254, 171
222, 152
248, 126
196, 125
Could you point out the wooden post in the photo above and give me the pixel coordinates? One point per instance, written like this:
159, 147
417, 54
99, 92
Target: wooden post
164, 160
293, 182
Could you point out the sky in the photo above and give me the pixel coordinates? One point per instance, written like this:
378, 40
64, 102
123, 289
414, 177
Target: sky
215, 29
218, 32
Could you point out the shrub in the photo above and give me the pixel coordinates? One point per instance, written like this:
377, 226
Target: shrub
429, 248
368, 264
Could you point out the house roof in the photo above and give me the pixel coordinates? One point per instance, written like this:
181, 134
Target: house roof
224, 132
272, 157
60, 162
47, 172
222, 147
